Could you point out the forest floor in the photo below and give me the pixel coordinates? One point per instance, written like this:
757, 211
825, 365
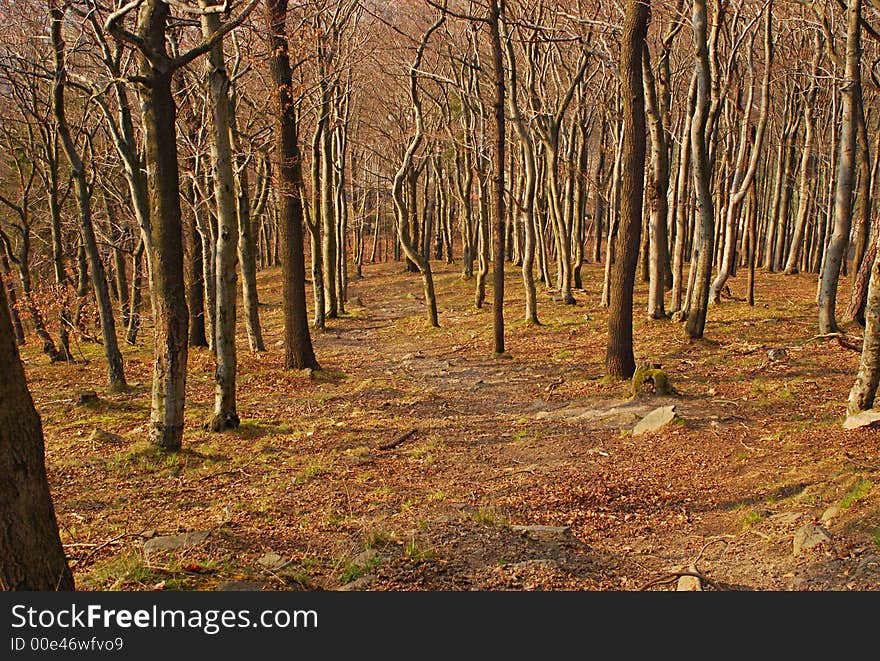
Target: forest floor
518, 472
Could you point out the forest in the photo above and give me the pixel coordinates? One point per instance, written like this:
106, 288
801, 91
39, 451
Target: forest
389, 295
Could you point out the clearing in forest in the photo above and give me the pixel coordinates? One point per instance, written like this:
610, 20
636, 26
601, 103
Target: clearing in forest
417, 460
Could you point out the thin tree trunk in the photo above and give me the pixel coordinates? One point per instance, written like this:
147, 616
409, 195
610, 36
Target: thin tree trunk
115, 370
134, 320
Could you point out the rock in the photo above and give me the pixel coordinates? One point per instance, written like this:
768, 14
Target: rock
361, 583
655, 420
545, 533
810, 536
238, 586
798, 583
831, 513
309, 373
786, 518
87, 398
689, 583
777, 354
863, 419
101, 436
272, 561
368, 558
867, 564
532, 565
174, 542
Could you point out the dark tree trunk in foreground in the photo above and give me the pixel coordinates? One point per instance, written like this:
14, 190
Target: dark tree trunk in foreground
299, 353
619, 359
31, 555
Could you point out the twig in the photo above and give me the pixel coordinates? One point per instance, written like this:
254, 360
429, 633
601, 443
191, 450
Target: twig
872, 467
97, 548
393, 443
840, 337
511, 473
703, 550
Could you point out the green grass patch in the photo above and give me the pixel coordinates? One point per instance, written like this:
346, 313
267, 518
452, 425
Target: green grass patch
751, 519
857, 493
414, 551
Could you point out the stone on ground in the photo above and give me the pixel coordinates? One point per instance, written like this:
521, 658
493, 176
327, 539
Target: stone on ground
810, 536
863, 419
655, 420
174, 542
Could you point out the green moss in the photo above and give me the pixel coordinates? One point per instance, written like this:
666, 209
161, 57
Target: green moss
650, 380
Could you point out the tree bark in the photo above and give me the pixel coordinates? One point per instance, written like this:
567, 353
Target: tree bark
225, 270
115, 370
705, 248
619, 358
496, 9
836, 252
31, 555
298, 350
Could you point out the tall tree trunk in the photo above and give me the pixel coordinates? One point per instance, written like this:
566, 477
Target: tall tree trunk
225, 269
864, 390
115, 371
403, 173
195, 272
61, 277
619, 358
496, 9
742, 181
682, 202
313, 221
836, 252
328, 218
705, 248
166, 237
247, 240
658, 260
808, 160
528, 187
298, 350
